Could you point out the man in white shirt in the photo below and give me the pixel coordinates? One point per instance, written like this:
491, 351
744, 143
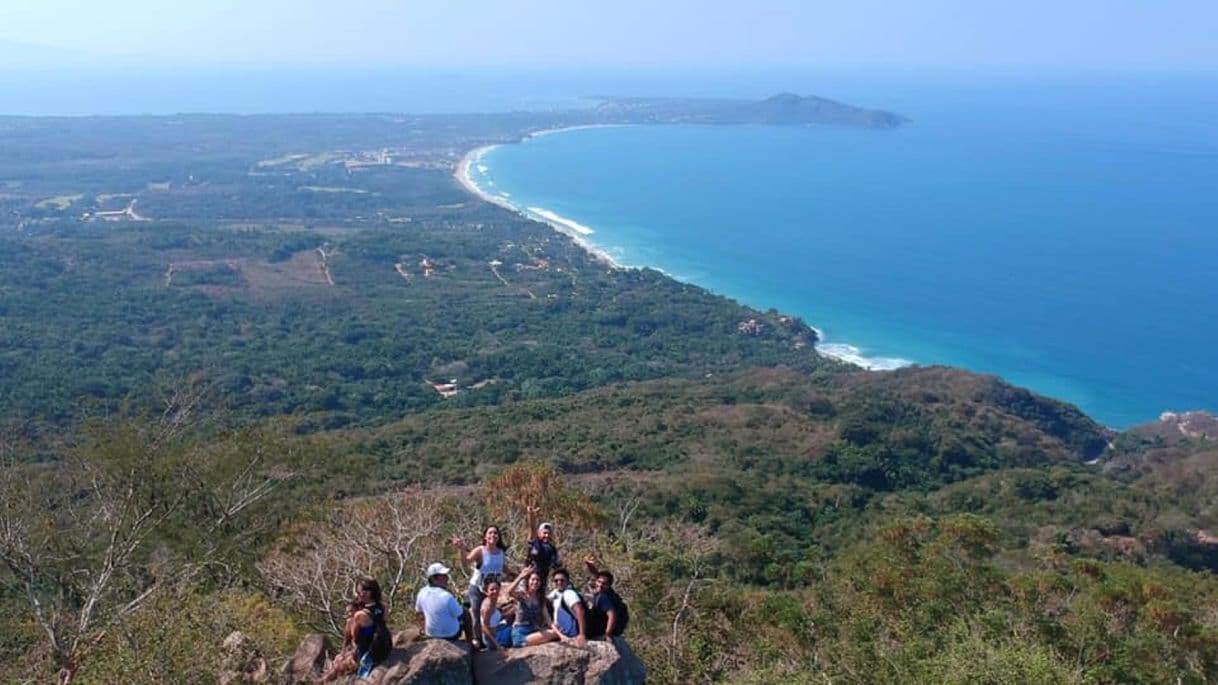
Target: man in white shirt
442, 614
568, 608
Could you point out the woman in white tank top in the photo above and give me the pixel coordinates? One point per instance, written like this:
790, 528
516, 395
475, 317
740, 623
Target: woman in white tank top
487, 561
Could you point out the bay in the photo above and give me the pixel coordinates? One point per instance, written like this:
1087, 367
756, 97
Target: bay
1060, 233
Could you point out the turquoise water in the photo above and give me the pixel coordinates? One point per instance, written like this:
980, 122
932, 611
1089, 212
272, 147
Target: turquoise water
1061, 234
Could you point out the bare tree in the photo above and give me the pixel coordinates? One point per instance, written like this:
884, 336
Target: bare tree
389, 538
81, 540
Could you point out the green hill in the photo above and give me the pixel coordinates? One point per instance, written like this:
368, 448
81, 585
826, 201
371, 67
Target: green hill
223, 397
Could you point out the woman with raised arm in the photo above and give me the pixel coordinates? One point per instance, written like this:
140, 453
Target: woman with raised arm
487, 560
533, 625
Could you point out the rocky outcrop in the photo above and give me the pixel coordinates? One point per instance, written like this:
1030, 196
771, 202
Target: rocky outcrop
431, 662
603, 663
309, 662
440, 662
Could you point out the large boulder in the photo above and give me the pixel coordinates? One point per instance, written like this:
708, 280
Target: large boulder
309, 662
430, 662
603, 663
440, 662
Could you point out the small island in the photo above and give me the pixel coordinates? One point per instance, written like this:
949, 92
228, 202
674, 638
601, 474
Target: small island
784, 109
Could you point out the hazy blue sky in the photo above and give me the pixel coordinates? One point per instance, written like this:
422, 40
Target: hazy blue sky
573, 33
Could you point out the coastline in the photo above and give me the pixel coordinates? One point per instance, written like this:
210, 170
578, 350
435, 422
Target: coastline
838, 351
572, 230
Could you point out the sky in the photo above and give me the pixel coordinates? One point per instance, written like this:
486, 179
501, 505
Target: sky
952, 34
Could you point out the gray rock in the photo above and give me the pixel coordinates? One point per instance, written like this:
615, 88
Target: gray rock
309, 661
603, 663
440, 662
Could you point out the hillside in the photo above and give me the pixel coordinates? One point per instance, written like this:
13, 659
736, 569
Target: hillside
246, 359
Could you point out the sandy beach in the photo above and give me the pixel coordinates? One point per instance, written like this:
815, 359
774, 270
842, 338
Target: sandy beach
571, 229
578, 233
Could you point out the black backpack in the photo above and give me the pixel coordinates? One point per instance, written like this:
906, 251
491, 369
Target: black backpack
382, 639
598, 621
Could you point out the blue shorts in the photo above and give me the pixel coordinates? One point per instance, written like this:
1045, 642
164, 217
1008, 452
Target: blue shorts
503, 635
365, 665
520, 634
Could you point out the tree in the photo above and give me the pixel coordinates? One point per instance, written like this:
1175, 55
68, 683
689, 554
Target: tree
531, 488
87, 541
392, 539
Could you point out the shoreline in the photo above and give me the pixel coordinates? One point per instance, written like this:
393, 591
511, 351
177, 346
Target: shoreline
838, 351
572, 230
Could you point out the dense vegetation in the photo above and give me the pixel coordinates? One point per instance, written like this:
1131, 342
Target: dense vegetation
218, 338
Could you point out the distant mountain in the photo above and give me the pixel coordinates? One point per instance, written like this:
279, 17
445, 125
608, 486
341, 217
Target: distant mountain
783, 109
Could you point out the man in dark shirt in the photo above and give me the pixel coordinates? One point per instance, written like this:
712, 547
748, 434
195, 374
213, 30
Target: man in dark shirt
543, 555
607, 616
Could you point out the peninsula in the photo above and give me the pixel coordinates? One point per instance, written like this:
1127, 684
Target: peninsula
784, 109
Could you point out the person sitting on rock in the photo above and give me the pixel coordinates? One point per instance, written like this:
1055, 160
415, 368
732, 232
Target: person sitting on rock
366, 639
568, 608
543, 554
607, 614
532, 625
443, 616
487, 560
496, 632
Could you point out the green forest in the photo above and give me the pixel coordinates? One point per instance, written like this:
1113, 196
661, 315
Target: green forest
226, 343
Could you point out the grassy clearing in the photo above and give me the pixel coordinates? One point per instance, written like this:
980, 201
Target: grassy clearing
60, 202
279, 161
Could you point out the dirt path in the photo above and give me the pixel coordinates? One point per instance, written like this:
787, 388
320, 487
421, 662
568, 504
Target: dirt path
322, 256
495, 270
401, 269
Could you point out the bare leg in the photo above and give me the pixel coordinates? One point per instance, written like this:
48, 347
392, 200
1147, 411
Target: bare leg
541, 637
343, 664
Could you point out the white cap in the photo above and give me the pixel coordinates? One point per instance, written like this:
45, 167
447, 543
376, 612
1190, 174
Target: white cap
548, 527
437, 569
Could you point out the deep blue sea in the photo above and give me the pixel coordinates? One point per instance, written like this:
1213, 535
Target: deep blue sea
1059, 232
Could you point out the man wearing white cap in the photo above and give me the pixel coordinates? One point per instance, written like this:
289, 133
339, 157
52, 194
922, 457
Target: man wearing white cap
440, 610
543, 554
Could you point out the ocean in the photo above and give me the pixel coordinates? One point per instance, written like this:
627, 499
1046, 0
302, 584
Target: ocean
1060, 232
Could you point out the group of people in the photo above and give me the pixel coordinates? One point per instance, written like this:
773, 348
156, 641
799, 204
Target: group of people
537, 616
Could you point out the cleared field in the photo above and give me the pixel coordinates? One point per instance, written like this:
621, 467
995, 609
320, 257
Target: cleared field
60, 202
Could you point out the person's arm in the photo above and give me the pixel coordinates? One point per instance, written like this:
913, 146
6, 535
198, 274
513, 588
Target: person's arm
465, 553
577, 610
488, 632
349, 634
547, 621
590, 565
514, 590
531, 521
610, 621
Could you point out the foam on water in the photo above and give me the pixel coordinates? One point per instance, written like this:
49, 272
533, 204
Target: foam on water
849, 353
553, 217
